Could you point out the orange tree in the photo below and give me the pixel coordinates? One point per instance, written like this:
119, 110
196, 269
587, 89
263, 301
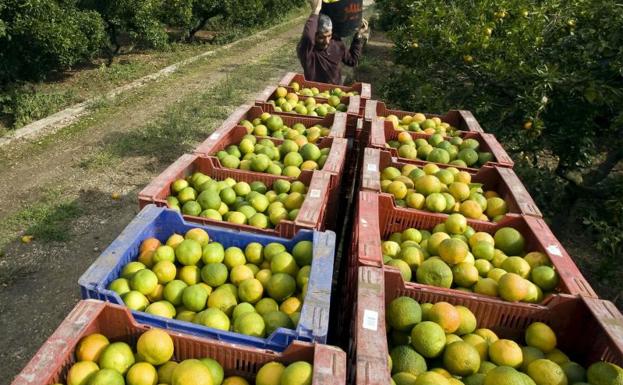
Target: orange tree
545, 76
137, 20
39, 36
194, 15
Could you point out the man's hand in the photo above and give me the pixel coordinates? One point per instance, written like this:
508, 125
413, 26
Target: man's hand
364, 31
315, 6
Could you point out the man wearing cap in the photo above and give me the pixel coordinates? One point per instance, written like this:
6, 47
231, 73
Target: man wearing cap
321, 54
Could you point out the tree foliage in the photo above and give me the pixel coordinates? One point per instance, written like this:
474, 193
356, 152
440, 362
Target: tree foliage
139, 20
39, 36
545, 76
193, 15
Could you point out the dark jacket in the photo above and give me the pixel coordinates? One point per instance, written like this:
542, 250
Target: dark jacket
324, 66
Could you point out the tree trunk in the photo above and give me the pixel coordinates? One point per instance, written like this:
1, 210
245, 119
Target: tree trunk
202, 23
115, 40
588, 187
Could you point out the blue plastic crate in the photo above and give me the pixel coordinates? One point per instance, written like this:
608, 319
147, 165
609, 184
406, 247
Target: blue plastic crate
161, 223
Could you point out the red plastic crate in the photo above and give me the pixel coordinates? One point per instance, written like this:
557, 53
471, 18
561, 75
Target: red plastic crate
218, 141
381, 132
354, 111
334, 165
461, 119
363, 89
588, 329
53, 360
377, 217
314, 213
336, 122
352, 102
504, 181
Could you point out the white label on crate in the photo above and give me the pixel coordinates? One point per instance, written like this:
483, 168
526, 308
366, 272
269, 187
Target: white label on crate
314, 193
372, 167
554, 249
216, 135
370, 319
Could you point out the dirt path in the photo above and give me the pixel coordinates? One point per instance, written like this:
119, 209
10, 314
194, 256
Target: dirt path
59, 188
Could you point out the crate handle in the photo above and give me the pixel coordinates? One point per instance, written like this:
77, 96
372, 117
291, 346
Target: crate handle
337, 156
98, 271
324, 253
470, 121
371, 170
371, 109
315, 200
371, 344
353, 105
162, 181
369, 244
338, 129
366, 91
609, 317
329, 365
524, 200
377, 133
318, 300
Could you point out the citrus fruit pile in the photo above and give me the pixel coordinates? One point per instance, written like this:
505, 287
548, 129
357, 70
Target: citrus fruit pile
237, 202
454, 255
288, 158
455, 151
439, 344
313, 91
252, 291
442, 191
102, 362
273, 126
285, 101
420, 123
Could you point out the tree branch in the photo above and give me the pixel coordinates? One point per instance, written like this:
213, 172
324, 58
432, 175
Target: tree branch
202, 23
587, 186
614, 156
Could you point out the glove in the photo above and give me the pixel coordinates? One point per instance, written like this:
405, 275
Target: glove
315, 5
364, 32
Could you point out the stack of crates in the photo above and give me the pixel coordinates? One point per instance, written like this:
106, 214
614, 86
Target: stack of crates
588, 329
346, 214
317, 217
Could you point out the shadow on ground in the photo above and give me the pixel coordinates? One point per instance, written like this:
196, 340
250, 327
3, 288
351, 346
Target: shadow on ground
43, 275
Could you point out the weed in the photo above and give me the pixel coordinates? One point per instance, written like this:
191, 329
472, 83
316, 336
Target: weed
99, 160
193, 118
23, 104
47, 220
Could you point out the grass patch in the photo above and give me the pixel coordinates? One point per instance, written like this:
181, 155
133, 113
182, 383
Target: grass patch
47, 220
99, 160
192, 119
22, 105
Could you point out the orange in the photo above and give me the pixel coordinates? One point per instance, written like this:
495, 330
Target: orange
446, 316
90, 347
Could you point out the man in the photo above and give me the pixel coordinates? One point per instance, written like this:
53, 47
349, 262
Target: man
321, 54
